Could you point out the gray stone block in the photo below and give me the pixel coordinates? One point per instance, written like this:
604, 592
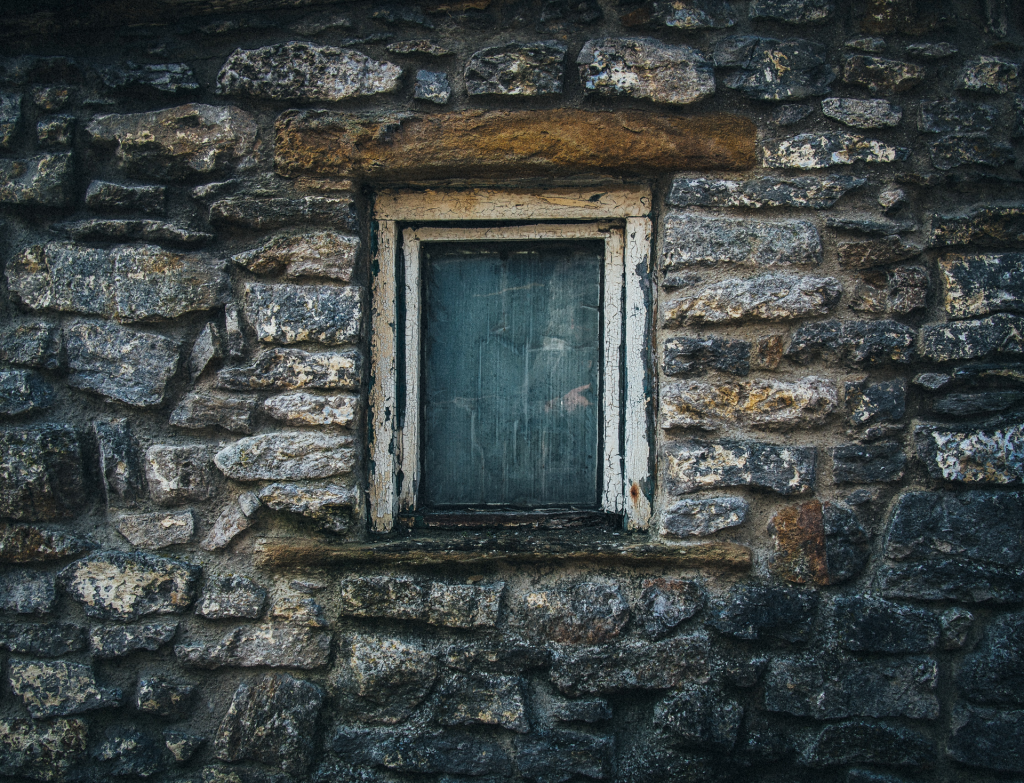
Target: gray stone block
330, 315
57, 688
770, 70
180, 474
645, 68
774, 297
289, 368
703, 517
287, 456
118, 641
517, 69
41, 473
814, 192
697, 464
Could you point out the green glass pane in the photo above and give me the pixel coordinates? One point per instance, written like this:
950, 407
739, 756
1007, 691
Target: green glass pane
511, 374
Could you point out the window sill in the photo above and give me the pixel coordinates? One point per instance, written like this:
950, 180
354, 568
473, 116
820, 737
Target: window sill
520, 546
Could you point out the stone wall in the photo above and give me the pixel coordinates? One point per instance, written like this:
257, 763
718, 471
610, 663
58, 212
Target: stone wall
831, 588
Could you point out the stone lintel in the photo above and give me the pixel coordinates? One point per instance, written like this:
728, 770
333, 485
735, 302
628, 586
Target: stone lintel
491, 548
321, 143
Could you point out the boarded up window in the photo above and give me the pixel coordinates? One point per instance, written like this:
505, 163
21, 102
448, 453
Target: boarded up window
511, 374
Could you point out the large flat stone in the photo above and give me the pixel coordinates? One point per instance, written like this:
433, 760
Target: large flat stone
122, 586
764, 404
289, 368
41, 751
407, 598
856, 342
126, 282
21, 544
988, 738
179, 143
994, 455
645, 68
306, 72
331, 315
119, 641
320, 410
994, 672
383, 680
775, 297
23, 391
331, 506
875, 625
528, 69
581, 613
864, 742
986, 226
41, 473
272, 720
44, 640
119, 363
685, 356
695, 464
276, 646
267, 212
705, 241
1001, 333
771, 70
818, 151
761, 192
58, 688
42, 181
763, 613
483, 699
322, 143
287, 456
314, 254
881, 75
104, 196
976, 149
982, 284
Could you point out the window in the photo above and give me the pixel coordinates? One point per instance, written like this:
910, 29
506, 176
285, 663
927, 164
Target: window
509, 344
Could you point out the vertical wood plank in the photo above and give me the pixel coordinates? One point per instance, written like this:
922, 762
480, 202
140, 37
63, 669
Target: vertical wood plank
409, 437
383, 381
612, 500
637, 478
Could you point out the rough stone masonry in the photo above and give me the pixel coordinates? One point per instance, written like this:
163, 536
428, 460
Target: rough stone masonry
832, 584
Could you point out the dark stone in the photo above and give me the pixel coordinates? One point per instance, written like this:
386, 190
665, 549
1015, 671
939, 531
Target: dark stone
865, 464
432, 86
41, 751
790, 114
330, 506
180, 474
483, 699
53, 98
987, 226
869, 224
698, 464
305, 72
158, 529
42, 181
987, 738
127, 753
422, 753
900, 290
120, 462
272, 720
231, 597
980, 149
847, 542
119, 363
876, 403
46, 640
125, 587
686, 356
952, 115
55, 132
994, 672
114, 197
314, 254
793, 11
813, 192
264, 212
284, 646
863, 254
178, 143
290, 368
232, 412
159, 231
205, 349
702, 517
23, 391
10, 118
117, 641
419, 47
517, 69
952, 579
764, 613
32, 345
771, 70
821, 150
874, 625
583, 613
25, 591
383, 680
645, 69
988, 75
41, 473
993, 455
699, 240
57, 688
854, 341
1001, 333
932, 51
634, 666
973, 403
163, 697
28, 544
982, 284
581, 711
866, 114
878, 74
182, 746
830, 688
171, 78
956, 627
400, 15
863, 742
558, 756
700, 717
330, 315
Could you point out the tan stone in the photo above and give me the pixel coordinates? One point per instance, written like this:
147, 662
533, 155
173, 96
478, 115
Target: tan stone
765, 404
799, 533
330, 144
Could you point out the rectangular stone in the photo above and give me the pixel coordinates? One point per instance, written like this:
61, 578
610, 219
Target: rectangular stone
232, 412
772, 297
42, 181
330, 315
695, 464
987, 226
813, 192
982, 284
437, 603
865, 464
993, 455
292, 647
699, 240
1001, 333
290, 368
765, 404
322, 143
287, 456
41, 473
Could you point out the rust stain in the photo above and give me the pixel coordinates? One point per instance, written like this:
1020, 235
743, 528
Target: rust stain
634, 493
799, 533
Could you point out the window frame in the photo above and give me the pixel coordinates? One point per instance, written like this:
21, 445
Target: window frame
618, 216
